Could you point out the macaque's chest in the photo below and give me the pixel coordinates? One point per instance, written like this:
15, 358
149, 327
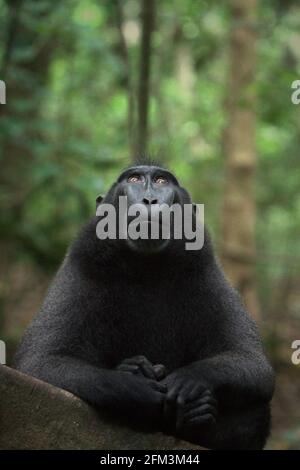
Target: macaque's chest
163, 324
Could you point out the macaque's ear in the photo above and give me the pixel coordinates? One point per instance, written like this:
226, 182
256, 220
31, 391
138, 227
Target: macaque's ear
99, 199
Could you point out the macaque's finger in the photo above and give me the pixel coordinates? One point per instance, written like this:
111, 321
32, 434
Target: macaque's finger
148, 371
179, 411
197, 391
158, 386
203, 400
202, 419
137, 360
128, 368
160, 371
170, 405
143, 364
199, 411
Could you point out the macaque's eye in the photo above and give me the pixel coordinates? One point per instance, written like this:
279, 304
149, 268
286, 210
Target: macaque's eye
160, 180
135, 179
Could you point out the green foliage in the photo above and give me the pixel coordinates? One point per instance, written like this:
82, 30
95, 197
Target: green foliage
73, 121
64, 133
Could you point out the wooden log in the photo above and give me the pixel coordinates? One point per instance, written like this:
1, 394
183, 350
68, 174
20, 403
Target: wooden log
37, 415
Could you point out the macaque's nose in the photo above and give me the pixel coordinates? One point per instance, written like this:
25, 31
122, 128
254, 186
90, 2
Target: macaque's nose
149, 200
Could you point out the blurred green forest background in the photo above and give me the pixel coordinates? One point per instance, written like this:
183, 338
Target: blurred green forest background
204, 87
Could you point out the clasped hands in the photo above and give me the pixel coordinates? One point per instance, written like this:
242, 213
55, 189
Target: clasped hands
179, 400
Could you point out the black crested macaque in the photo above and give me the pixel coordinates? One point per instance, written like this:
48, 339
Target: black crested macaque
153, 333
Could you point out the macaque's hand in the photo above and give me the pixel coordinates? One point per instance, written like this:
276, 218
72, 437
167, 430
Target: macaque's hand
189, 401
136, 398
140, 365
197, 410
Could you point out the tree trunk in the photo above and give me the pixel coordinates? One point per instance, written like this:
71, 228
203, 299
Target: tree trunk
26, 60
37, 415
25, 67
147, 20
116, 19
239, 212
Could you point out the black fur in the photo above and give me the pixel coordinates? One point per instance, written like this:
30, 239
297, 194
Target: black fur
159, 339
